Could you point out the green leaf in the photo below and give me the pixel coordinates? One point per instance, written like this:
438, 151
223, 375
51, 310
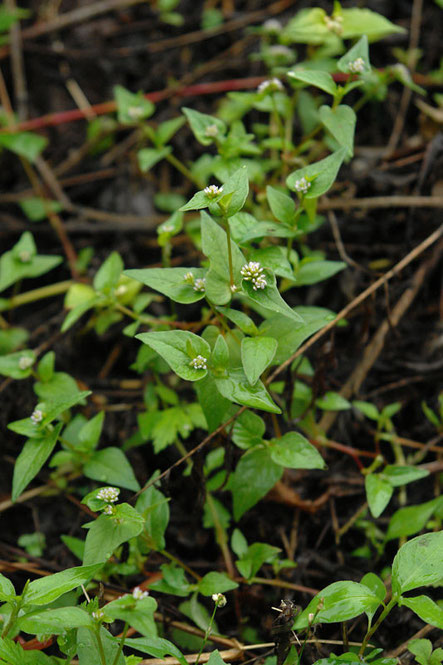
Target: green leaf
248, 430
35, 208
47, 589
111, 466
410, 520
241, 320
342, 601
236, 388
90, 433
155, 646
214, 582
307, 27
318, 79
90, 654
215, 407
107, 532
131, 108
200, 122
10, 364
25, 144
426, 609
255, 556
179, 348
173, 581
154, 507
149, 157
235, 192
139, 614
220, 354
270, 297
34, 454
292, 450
55, 621
239, 544
109, 273
378, 493
50, 412
7, 590
257, 354
321, 174
311, 272
274, 258
419, 562
22, 261
256, 473
215, 247
13, 653
340, 122
171, 282
166, 130
282, 206
376, 585
359, 50
332, 401
368, 409
422, 650
358, 22
402, 475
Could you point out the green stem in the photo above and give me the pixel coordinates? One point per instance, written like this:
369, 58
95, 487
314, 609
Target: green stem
37, 294
228, 236
100, 646
381, 618
184, 170
122, 641
207, 633
11, 621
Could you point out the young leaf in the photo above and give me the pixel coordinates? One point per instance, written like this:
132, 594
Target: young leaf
148, 157
319, 79
154, 508
256, 555
248, 430
214, 582
17, 365
205, 127
236, 388
254, 476
332, 401
257, 354
108, 532
340, 122
235, 192
292, 450
342, 601
240, 319
320, 174
282, 206
419, 562
411, 519
270, 297
25, 144
36, 208
426, 609
109, 273
111, 466
34, 454
47, 589
378, 493
131, 108
22, 261
7, 590
139, 613
180, 349
171, 282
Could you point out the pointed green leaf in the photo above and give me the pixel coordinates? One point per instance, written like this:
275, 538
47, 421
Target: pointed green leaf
320, 174
340, 122
318, 79
426, 609
47, 589
257, 354
179, 348
149, 157
25, 144
110, 466
292, 450
214, 582
270, 297
254, 476
236, 388
34, 454
418, 562
107, 532
378, 493
171, 282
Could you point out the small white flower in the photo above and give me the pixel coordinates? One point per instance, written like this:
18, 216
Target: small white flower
109, 510
219, 599
199, 362
334, 24
188, 277
302, 185
166, 228
211, 131
121, 290
135, 112
212, 191
98, 615
108, 494
357, 66
138, 593
272, 25
25, 256
253, 272
37, 416
278, 50
199, 285
271, 85
25, 362
233, 288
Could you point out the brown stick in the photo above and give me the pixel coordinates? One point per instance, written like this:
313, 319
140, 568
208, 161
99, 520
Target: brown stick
382, 202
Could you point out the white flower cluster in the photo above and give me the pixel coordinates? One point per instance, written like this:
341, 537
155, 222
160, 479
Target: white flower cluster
138, 593
253, 272
357, 66
24, 362
334, 24
109, 510
37, 416
108, 494
188, 277
25, 256
98, 615
272, 25
302, 185
199, 362
199, 285
166, 228
211, 131
271, 85
219, 599
212, 191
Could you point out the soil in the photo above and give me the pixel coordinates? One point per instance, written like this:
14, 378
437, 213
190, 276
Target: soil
129, 46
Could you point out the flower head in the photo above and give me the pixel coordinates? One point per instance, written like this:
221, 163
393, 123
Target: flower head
219, 599
98, 615
135, 112
37, 416
334, 24
24, 362
253, 272
25, 256
212, 191
109, 509
108, 494
199, 362
188, 277
138, 593
272, 25
271, 85
211, 131
199, 285
302, 185
357, 66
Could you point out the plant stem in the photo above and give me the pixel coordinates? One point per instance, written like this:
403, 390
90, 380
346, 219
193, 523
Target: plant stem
381, 618
100, 646
207, 633
122, 641
228, 236
184, 170
38, 294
